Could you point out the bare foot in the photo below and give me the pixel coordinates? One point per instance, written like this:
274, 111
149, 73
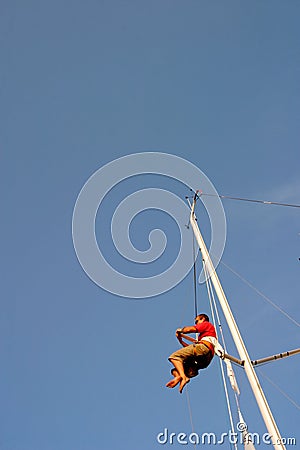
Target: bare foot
183, 382
172, 383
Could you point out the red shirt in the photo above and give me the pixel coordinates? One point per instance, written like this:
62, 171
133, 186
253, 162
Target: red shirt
205, 329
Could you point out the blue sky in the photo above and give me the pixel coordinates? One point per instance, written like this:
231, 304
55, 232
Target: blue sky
216, 83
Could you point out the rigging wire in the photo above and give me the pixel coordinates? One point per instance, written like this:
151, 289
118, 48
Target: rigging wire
195, 277
195, 257
196, 313
270, 381
184, 309
278, 308
279, 389
268, 362
290, 399
261, 294
265, 202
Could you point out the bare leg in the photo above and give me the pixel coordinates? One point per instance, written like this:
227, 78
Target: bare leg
179, 368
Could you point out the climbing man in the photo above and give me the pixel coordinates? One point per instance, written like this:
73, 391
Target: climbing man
188, 360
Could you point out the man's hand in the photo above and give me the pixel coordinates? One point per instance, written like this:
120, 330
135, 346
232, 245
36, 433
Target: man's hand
178, 332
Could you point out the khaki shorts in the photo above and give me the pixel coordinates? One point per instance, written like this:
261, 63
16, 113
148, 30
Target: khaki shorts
194, 357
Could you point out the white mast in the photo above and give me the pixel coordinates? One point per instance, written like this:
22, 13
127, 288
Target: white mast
250, 372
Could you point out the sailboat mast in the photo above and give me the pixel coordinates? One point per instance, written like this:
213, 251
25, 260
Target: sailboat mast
241, 348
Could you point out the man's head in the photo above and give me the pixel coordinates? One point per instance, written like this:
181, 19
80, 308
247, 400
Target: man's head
201, 318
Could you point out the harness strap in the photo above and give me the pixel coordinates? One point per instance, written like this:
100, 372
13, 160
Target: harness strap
208, 345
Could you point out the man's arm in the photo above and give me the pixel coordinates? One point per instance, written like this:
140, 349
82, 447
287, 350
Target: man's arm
186, 330
179, 337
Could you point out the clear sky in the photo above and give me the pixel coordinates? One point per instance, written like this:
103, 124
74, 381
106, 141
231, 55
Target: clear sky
84, 83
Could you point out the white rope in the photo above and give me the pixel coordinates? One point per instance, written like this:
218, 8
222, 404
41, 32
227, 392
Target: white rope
217, 314
210, 295
231, 373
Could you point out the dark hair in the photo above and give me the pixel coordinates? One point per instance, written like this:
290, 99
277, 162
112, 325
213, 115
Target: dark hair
203, 316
